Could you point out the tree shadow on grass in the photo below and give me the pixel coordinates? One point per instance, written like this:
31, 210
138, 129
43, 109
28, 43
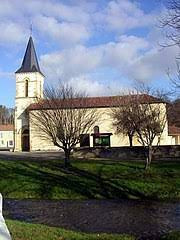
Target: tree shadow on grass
43, 181
109, 188
123, 162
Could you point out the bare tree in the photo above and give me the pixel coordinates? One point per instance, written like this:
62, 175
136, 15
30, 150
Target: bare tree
62, 117
175, 80
123, 117
170, 23
174, 113
151, 117
145, 116
149, 123
6, 115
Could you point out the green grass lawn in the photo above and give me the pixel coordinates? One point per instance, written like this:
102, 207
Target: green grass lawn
171, 236
88, 179
27, 231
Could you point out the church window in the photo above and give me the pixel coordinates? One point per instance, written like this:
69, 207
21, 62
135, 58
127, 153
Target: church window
26, 88
10, 142
96, 130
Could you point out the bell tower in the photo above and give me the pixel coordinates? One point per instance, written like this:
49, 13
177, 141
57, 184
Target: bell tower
29, 87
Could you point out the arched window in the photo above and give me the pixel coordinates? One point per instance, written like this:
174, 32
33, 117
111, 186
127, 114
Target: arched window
26, 88
96, 130
26, 131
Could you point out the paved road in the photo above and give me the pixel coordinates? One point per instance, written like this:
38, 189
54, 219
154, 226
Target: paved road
145, 219
5, 155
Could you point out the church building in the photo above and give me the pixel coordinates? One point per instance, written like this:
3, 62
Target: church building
29, 87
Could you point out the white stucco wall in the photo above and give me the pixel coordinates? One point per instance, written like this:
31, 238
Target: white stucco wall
6, 139
35, 89
105, 126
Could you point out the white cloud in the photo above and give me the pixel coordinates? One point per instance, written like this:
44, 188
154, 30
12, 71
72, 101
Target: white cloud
80, 60
6, 75
74, 22
12, 33
154, 64
63, 32
6, 9
86, 83
56, 9
120, 54
133, 57
61, 22
71, 62
122, 15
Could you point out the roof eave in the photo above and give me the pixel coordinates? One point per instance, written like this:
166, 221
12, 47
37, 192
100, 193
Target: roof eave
23, 71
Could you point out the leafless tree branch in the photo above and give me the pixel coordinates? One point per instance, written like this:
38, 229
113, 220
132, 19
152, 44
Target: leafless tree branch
141, 116
62, 117
6, 115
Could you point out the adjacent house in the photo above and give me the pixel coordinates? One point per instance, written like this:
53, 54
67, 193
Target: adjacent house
6, 137
174, 133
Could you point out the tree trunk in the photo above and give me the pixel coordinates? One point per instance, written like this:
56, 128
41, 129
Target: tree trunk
148, 157
147, 163
67, 158
130, 140
150, 154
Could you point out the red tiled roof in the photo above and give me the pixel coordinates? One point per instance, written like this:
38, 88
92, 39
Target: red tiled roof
173, 130
93, 102
7, 127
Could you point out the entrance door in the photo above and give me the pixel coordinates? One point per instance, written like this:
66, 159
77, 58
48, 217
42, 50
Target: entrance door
25, 140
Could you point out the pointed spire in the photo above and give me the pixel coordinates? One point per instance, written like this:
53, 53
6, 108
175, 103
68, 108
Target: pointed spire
30, 62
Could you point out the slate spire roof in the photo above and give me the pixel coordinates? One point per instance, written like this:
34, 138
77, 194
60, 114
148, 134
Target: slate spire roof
30, 61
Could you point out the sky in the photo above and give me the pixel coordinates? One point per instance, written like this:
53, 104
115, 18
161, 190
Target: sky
100, 47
